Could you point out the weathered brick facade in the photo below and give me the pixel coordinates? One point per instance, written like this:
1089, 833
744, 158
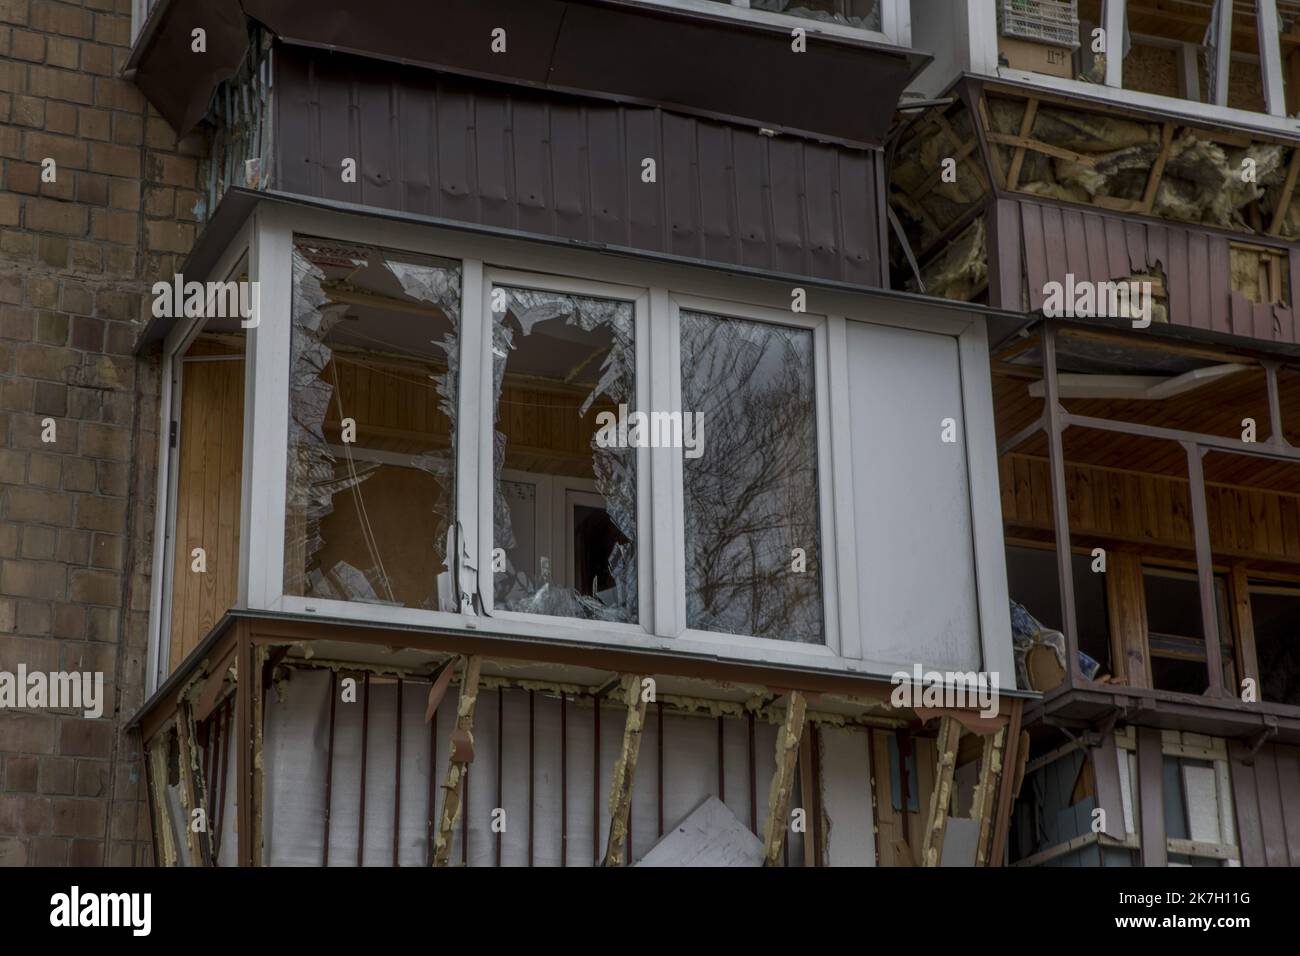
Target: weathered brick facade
77, 257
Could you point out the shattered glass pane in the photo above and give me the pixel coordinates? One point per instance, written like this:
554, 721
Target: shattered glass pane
864, 14
372, 407
564, 505
753, 560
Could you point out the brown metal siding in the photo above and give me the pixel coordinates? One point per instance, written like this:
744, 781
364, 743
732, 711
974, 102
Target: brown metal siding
441, 146
1056, 240
1266, 795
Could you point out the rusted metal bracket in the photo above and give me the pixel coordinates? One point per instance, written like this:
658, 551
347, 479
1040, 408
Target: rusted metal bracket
620, 796
462, 739
778, 798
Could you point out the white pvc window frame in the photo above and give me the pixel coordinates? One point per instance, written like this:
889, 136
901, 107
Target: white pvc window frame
983, 58
895, 19
486, 425
662, 290
826, 466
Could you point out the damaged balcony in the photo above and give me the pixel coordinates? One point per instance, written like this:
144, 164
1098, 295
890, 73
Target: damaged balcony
1149, 496
392, 474
361, 745
1226, 63
1043, 190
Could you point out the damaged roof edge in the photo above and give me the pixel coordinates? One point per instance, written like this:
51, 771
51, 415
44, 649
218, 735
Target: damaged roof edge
178, 82
237, 206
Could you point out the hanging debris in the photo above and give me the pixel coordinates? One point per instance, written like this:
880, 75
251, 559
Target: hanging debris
1153, 167
961, 270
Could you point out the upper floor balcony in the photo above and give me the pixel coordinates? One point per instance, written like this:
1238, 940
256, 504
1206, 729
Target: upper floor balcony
1227, 62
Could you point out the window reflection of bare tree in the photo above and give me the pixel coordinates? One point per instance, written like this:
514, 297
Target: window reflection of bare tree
751, 498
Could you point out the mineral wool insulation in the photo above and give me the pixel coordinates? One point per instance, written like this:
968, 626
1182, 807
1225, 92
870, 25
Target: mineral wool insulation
1202, 179
297, 753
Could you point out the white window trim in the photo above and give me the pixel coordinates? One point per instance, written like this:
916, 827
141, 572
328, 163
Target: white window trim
660, 544
982, 57
895, 19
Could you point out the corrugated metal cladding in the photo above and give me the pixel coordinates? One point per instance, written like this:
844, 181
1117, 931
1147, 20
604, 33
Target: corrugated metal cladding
1056, 240
441, 146
1266, 796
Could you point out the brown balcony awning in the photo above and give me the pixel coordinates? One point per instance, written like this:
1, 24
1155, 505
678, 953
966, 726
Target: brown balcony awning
840, 90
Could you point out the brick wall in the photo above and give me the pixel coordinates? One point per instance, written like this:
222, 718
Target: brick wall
77, 257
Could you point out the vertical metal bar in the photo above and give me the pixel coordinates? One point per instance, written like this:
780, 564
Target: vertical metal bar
223, 772
1151, 798
365, 735
1113, 19
501, 691
595, 783
873, 796
329, 768
430, 822
564, 779
531, 766
153, 819
813, 800
244, 745
1204, 569
397, 770
464, 821
722, 770
1219, 69
1275, 434
659, 710
1060, 505
753, 779
1270, 56
904, 782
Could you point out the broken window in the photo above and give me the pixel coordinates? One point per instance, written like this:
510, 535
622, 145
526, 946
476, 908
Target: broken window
565, 498
753, 560
372, 398
1175, 632
864, 14
1275, 615
1032, 580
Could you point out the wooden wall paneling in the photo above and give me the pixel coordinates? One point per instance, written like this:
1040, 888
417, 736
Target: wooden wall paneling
1138, 508
210, 460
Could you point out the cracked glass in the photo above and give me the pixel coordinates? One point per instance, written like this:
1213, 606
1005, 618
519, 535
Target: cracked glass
564, 515
372, 408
